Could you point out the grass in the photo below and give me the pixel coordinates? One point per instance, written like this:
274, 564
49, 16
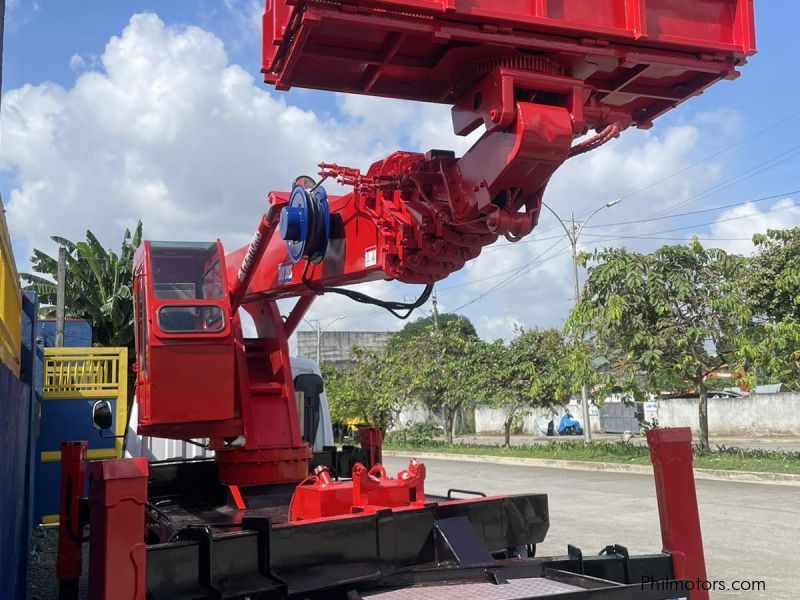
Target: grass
722, 458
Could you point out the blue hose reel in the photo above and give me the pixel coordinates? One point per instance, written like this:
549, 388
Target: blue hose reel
305, 223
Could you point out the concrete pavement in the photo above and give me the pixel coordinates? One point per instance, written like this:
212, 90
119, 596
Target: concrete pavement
750, 531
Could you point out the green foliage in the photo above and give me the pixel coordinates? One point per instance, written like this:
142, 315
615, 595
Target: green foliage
770, 353
722, 458
528, 372
663, 320
373, 391
770, 348
772, 279
444, 367
425, 325
98, 285
420, 434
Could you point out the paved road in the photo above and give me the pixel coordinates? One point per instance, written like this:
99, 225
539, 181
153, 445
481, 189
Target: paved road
789, 444
750, 531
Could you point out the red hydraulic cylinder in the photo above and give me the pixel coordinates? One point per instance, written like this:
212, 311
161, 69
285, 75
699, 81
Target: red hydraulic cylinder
117, 496
671, 455
70, 529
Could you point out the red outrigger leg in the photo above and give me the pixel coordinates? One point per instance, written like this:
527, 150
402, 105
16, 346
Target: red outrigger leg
70, 529
118, 494
671, 455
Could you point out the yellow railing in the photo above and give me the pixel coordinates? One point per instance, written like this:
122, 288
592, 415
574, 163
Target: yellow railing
89, 374
10, 302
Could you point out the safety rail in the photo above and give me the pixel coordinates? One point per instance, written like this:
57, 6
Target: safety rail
88, 373
10, 302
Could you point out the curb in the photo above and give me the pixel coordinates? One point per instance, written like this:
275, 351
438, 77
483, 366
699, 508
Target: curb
785, 479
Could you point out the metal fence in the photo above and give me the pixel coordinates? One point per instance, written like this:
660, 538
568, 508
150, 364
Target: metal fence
10, 302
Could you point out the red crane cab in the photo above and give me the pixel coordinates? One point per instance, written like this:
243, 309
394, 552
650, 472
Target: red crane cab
185, 348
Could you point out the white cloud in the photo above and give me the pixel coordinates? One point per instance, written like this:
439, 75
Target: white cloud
76, 62
21, 12
168, 131
734, 228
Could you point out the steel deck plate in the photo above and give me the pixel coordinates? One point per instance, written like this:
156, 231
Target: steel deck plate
513, 590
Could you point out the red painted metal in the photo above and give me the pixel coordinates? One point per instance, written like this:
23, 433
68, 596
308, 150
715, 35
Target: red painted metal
117, 494
264, 232
671, 455
176, 367
319, 496
70, 529
537, 75
371, 439
637, 54
236, 496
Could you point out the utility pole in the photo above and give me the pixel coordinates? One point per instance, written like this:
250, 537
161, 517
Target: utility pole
574, 233
61, 296
435, 310
316, 325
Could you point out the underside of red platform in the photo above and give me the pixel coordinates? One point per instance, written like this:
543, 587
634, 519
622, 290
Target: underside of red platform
642, 56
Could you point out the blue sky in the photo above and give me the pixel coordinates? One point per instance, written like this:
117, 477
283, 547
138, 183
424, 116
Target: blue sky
87, 144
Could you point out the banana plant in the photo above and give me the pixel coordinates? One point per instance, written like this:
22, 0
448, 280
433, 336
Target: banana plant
98, 285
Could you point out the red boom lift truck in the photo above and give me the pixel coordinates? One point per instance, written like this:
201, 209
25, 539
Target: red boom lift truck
268, 517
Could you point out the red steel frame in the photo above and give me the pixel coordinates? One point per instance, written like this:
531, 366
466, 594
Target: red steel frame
118, 493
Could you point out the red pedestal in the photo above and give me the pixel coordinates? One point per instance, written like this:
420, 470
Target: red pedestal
117, 493
671, 454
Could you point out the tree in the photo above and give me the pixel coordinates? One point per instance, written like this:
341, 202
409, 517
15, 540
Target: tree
529, 372
770, 352
772, 278
663, 320
99, 285
373, 391
445, 369
770, 348
425, 325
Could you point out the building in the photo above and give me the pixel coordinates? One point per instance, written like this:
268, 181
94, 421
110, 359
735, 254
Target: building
336, 347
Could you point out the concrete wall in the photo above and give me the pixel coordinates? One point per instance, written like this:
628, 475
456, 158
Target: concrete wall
490, 420
337, 346
756, 414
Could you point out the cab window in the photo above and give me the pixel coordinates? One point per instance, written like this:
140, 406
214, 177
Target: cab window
186, 271
191, 319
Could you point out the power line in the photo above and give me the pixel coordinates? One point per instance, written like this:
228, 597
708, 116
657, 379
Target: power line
713, 156
698, 212
644, 236
793, 152
538, 261
496, 275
